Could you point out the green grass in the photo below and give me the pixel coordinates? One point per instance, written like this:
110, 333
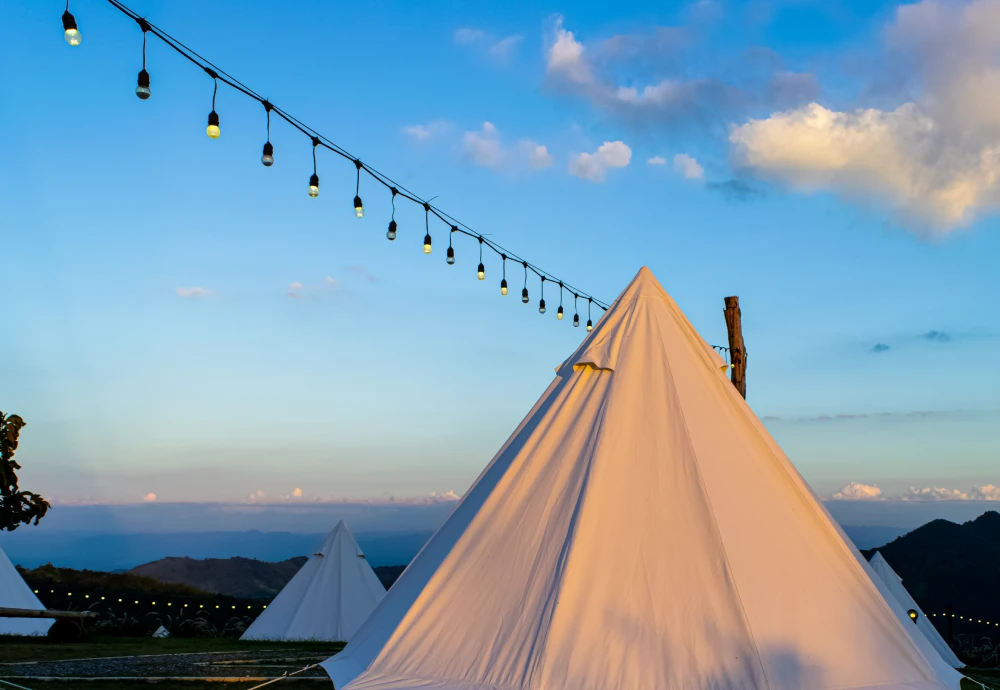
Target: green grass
989, 678
17, 649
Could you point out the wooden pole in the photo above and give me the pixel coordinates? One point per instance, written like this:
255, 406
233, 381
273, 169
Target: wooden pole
737, 352
35, 613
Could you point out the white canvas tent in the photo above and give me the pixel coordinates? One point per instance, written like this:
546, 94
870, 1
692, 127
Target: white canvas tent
328, 599
894, 583
640, 529
15, 594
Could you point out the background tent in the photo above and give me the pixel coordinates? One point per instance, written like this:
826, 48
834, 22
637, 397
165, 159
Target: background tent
328, 599
640, 529
15, 594
895, 585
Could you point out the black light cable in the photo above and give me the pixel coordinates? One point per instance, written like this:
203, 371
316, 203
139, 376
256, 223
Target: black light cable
359, 209
391, 232
314, 178
481, 271
213, 131
142, 87
267, 158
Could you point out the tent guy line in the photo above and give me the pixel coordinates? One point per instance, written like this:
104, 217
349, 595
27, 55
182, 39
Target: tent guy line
73, 37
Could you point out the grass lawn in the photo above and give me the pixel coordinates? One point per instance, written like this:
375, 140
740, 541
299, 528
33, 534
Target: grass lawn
19, 649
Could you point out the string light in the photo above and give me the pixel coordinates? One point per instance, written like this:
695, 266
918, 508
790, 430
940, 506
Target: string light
268, 156
267, 159
142, 89
451, 250
576, 311
912, 613
427, 229
524, 292
481, 270
70, 32
590, 324
503, 281
541, 302
391, 232
559, 312
314, 179
213, 130
359, 208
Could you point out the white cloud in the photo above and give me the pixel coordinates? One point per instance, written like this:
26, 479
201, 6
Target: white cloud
856, 491
297, 493
295, 286
657, 160
593, 166
150, 497
688, 167
537, 155
330, 281
428, 132
256, 496
933, 494
192, 292
566, 59
987, 492
483, 147
466, 35
501, 50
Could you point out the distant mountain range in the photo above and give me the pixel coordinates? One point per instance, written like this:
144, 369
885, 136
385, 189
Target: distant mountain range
238, 577
943, 563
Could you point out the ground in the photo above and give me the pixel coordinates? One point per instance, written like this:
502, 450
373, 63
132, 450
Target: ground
122, 662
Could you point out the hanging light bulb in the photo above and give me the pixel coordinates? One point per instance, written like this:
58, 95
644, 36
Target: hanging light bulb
451, 250
391, 233
524, 292
524, 295
541, 302
503, 281
314, 178
213, 130
559, 313
481, 269
427, 228
267, 158
912, 613
590, 324
142, 89
503, 286
70, 32
359, 208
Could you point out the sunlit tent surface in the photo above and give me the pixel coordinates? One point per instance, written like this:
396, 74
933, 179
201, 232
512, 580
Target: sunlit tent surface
328, 599
16, 594
894, 583
640, 529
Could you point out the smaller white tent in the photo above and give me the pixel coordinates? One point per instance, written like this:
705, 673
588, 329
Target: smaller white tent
894, 583
161, 632
15, 594
328, 599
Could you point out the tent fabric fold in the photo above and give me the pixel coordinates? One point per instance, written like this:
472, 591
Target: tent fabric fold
328, 598
906, 602
16, 594
639, 529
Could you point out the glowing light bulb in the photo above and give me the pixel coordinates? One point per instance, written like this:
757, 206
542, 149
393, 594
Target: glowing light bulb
314, 185
559, 313
481, 272
503, 286
391, 233
724, 368
451, 256
268, 158
142, 90
541, 306
576, 320
70, 32
913, 615
590, 325
524, 295
427, 244
359, 209
213, 130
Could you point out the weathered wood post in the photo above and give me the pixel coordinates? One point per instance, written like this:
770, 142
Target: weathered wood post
737, 352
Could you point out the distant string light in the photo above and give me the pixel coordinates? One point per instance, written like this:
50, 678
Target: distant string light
969, 619
214, 131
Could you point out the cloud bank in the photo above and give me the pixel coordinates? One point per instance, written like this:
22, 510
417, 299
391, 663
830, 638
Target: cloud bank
856, 491
594, 166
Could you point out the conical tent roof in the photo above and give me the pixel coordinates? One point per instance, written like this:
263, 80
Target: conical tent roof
16, 594
640, 529
328, 599
894, 583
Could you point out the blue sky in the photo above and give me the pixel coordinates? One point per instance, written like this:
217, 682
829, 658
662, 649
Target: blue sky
181, 321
